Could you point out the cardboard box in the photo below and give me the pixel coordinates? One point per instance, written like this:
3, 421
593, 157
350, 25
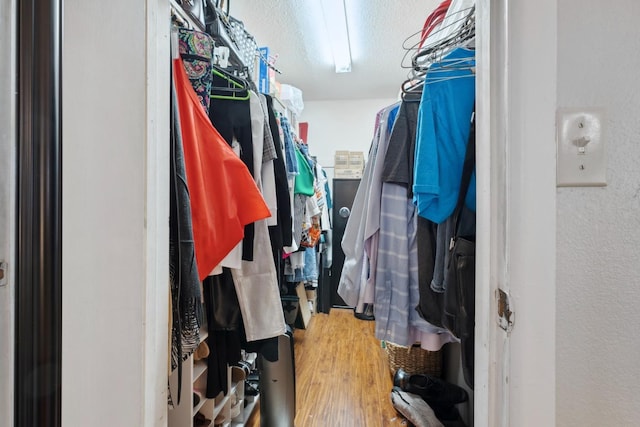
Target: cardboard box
304, 313
356, 160
341, 160
347, 173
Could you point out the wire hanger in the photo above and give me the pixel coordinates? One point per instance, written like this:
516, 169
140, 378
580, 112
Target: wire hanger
452, 32
456, 30
266, 61
459, 30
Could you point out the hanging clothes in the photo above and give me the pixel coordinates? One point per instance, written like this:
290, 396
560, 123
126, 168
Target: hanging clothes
400, 262
373, 208
232, 119
289, 147
183, 272
224, 197
397, 276
304, 179
224, 322
256, 282
269, 155
443, 130
282, 231
352, 283
399, 168
324, 197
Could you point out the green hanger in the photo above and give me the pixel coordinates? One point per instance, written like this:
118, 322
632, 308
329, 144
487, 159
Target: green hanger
235, 88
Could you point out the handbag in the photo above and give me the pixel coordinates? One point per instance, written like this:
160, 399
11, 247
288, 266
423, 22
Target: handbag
459, 295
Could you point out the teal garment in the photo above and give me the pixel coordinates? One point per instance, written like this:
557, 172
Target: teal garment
304, 180
444, 123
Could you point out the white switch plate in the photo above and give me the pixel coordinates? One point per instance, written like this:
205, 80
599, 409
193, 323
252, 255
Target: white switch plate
582, 159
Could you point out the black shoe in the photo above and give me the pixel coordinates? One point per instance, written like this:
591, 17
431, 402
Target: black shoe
446, 413
434, 391
200, 420
367, 313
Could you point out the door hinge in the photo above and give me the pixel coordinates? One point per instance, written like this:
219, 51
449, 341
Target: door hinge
505, 315
3, 273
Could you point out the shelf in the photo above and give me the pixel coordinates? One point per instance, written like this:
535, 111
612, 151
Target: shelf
220, 406
204, 333
234, 387
199, 406
199, 368
218, 32
247, 411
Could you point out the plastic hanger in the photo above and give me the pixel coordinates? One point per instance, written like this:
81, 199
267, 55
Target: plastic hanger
237, 89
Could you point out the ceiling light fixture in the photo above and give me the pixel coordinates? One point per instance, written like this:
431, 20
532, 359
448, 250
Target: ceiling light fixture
335, 18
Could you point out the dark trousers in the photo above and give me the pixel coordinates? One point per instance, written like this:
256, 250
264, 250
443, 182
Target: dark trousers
232, 119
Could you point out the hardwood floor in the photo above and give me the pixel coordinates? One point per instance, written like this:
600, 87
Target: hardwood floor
343, 378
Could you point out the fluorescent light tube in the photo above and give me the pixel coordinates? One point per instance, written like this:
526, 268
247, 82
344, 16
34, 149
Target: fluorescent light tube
335, 18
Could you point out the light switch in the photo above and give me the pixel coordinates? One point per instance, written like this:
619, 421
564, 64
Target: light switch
582, 160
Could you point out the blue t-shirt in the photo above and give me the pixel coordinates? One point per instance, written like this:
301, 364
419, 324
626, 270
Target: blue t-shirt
444, 123
393, 114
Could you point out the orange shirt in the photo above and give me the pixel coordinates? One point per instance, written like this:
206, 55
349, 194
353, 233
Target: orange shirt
223, 195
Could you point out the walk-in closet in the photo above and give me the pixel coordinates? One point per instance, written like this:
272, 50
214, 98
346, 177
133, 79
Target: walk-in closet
385, 233
287, 213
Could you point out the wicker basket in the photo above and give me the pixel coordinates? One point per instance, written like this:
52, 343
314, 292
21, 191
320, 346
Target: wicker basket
413, 360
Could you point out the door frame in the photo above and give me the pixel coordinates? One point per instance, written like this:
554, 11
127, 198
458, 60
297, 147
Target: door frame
516, 212
490, 365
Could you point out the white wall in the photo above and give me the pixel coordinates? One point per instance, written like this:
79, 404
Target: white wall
115, 213
341, 125
7, 207
598, 295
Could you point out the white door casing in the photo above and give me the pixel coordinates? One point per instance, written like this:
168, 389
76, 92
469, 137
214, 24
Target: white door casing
516, 92
491, 343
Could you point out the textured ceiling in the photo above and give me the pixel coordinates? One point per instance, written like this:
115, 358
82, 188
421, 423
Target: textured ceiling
295, 31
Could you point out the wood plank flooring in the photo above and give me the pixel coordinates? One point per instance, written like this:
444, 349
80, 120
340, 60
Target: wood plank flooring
343, 378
